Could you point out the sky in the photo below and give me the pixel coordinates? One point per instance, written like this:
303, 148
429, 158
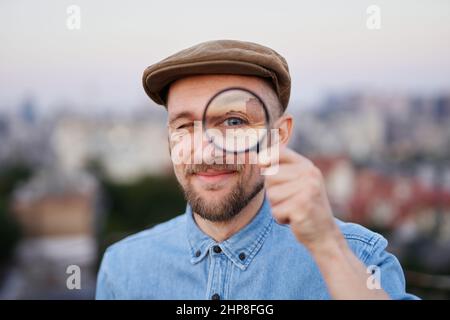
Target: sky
326, 43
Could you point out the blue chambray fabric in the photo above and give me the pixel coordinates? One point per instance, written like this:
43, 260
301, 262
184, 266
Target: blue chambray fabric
264, 260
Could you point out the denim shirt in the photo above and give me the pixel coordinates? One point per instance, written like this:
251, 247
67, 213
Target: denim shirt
264, 260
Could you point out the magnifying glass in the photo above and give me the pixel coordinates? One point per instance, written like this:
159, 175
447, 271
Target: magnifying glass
236, 120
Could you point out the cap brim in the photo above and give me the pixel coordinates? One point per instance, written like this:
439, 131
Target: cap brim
156, 82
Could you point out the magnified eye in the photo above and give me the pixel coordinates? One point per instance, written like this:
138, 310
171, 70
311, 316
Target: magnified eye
234, 121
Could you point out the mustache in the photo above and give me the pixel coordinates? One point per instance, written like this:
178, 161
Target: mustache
196, 168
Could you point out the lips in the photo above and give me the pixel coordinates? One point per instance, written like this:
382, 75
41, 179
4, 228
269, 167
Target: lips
212, 175
214, 172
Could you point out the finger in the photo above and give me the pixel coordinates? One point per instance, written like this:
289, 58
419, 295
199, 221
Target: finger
282, 212
290, 156
286, 172
280, 216
280, 192
278, 154
293, 171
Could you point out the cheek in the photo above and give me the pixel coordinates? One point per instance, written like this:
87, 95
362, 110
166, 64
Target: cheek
181, 149
179, 173
250, 174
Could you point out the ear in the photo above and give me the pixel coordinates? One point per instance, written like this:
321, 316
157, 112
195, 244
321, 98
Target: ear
285, 125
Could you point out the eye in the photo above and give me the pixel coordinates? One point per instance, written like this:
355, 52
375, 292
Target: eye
234, 121
185, 126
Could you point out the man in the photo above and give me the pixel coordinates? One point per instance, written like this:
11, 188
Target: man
245, 235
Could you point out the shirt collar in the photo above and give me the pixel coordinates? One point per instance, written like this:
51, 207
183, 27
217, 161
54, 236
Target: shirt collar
241, 247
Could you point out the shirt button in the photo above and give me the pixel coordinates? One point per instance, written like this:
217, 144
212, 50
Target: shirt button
198, 253
242, 256
215, 296
217, 249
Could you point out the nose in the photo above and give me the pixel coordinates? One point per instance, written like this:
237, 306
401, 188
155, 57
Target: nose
205, 148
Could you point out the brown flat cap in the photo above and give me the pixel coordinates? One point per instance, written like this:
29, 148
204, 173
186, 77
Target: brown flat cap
219, 57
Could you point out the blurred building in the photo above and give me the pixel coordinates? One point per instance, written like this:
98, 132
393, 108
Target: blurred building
412, 210
126, 148
57, 213
371, 127
24, 136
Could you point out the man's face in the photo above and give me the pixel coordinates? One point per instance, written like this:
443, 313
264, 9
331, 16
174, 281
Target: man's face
217, 192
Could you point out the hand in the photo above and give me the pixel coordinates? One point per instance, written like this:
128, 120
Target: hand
298, 197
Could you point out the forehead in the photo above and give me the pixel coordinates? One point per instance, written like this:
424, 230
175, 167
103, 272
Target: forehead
191, 94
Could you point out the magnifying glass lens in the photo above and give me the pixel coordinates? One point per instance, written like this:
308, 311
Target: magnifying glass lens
236, 121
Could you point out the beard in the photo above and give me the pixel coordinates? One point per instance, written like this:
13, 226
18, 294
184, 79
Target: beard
228, 206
